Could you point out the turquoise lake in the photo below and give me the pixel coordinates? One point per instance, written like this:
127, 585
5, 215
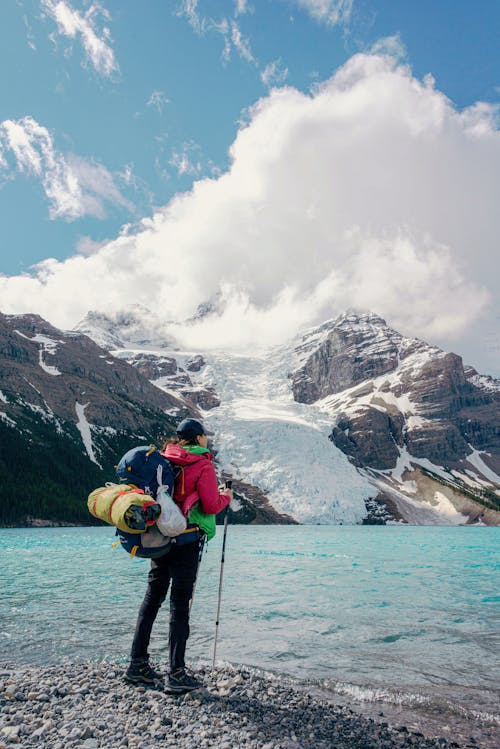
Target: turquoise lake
392, 614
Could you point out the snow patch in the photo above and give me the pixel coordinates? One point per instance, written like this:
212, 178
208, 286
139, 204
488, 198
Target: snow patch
431, 467
403, 464
173, 411
475, 459
414, 422
235, 505
10, 422
470, 479
485, 382
48, 346
105, 430
46, 413
83, 427
443, 505
3, 397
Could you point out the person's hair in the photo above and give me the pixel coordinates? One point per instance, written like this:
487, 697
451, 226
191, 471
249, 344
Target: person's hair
189, 441
179, 441
169, 441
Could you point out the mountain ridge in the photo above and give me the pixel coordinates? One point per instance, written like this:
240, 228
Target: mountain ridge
349, 423
367, 349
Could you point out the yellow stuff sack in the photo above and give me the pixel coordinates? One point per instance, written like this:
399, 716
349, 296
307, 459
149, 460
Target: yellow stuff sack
110, 503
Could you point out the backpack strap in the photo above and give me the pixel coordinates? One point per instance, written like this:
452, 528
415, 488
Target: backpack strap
159, 475
180, 473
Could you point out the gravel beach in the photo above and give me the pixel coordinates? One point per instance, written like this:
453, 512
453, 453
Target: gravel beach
90, 706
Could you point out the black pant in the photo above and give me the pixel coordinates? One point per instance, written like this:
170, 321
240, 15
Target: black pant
179, 565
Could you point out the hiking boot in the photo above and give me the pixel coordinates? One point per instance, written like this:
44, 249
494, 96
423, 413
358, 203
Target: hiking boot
140, 672
180, 681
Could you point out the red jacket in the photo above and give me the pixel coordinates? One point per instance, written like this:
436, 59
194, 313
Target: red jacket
196, 481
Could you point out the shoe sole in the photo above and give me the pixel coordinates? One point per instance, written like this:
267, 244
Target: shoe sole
180, 690
139, 680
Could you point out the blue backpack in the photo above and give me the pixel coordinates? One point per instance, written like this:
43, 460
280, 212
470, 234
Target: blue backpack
139, 466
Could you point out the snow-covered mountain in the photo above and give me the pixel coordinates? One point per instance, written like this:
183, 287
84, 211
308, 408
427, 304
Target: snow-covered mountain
67, 411
348, 422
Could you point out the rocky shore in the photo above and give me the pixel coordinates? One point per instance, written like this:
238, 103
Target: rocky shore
90, 706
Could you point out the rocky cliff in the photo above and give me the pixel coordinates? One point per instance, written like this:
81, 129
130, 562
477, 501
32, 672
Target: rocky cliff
406, 415
397, 402
68, 409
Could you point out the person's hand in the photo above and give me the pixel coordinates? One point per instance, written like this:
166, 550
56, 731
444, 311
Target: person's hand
224, 490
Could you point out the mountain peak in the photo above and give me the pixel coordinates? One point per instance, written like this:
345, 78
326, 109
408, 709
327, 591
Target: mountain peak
132, 325
357, 317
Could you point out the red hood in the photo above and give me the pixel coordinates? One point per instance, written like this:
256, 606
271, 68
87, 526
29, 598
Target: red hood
180, 457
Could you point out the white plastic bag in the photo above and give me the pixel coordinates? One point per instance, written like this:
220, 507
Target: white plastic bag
171, 521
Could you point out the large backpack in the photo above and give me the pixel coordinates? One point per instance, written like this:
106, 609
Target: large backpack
139, 467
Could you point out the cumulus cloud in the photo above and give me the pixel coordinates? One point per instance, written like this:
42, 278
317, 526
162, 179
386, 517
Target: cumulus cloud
96, 41
74, 186
389, 45
372, 191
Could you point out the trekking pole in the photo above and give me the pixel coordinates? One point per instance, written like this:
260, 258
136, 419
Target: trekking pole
228, 486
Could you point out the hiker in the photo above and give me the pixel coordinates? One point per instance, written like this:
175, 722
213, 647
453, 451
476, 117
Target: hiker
195, 487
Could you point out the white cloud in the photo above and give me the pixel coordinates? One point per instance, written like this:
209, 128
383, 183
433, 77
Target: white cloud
274, 74
74, 186
88, 246
373, 191
185, 160
331, 12
228, 29
241, 43
189, 9
95, 40
389, 45
29, 33
241, 7
158, 100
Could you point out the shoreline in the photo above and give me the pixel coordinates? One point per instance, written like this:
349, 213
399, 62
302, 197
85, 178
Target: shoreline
90, 706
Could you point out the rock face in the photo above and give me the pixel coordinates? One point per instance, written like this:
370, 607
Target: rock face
395, 400
166, 373
53, 371
68, 410
345, 352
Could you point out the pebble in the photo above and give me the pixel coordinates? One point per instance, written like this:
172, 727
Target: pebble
90, 706
10, 733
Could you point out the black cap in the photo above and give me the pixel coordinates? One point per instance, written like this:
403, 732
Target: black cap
188, 429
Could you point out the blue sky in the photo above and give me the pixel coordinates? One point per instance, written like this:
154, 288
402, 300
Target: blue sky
108, 110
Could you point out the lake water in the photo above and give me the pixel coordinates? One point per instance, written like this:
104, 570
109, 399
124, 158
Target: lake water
396, 618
